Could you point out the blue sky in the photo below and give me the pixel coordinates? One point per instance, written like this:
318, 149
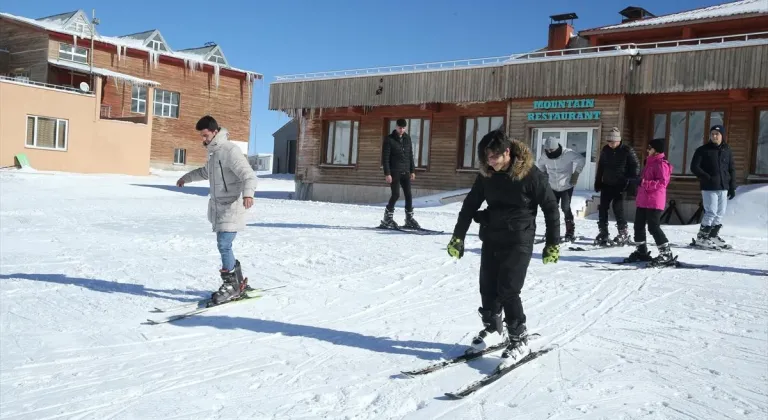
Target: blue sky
301, 36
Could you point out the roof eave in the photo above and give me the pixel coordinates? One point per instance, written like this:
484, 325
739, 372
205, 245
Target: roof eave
599, 31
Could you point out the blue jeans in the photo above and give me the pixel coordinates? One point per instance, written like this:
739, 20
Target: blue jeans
714, 203
224, 243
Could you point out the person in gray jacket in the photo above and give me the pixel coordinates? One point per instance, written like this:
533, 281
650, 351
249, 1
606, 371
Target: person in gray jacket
563, 167
230, 177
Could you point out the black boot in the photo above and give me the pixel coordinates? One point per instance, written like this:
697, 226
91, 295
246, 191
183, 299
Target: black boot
622, 238
410, 222
233, 285
641, 254
518, 344
702, 238
388, 222
665, 256
493, 324
714, 236
570, 229
603, 239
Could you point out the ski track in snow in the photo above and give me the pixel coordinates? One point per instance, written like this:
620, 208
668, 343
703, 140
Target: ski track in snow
85, 258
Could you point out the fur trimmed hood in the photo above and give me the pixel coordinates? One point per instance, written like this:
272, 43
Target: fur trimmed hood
522, 162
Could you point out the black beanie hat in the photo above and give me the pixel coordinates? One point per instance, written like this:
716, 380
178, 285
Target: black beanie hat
401, 123
657, 145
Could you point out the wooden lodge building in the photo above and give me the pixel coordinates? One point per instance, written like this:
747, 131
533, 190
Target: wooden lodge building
671, 76
141, 76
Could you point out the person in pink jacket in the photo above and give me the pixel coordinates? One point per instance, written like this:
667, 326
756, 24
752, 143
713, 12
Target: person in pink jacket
651, 201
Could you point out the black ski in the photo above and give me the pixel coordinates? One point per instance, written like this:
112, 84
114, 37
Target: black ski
636, 265
495, 376
414, 231
460, 359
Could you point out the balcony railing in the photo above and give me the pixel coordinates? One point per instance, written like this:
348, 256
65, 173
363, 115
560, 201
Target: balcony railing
628, 48
44, 85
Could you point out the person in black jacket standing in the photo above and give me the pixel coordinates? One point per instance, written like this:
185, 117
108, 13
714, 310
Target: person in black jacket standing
514, 188
618, 171
399, 170
713, 164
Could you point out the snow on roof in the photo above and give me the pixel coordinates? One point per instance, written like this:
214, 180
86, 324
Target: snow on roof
721, 10
193, 61
103, 72
139, 35
59, 18
203, 51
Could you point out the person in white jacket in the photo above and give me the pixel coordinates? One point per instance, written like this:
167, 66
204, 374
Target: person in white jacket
563, 167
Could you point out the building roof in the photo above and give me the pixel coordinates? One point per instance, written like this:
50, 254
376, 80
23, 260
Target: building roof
190, 60
60, 18
742, 7
200, 50
102, 72
139, 35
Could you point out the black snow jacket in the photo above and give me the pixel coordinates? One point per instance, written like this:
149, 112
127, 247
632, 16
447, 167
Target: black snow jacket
616, 166
397, 154
714, 167
513, 198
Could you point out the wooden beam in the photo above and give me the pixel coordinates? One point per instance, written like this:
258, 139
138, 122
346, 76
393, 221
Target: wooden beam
738, 94
688, 32
356, 110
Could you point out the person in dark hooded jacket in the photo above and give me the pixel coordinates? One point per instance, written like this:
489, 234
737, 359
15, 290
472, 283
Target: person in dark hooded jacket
713, 164
399, 170
514, 188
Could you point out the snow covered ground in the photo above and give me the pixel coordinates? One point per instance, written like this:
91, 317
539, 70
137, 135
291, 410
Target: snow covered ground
83, 258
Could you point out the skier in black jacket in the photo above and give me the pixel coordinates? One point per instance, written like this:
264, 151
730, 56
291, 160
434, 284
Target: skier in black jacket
618, 172
514, 188
713, 164
399, 170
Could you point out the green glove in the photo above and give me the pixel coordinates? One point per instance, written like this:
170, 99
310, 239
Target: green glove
551, 254
456, 247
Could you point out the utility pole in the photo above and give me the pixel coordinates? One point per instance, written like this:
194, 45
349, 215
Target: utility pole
94, 22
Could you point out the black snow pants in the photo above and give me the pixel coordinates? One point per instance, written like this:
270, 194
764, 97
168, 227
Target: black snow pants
652, 218
611, 194
404, 180
502, 274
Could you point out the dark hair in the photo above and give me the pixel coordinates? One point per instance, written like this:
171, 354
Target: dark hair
401, 123
657, 145
496, 141
207, 122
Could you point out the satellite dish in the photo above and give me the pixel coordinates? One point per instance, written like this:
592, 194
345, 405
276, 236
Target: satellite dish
84, 87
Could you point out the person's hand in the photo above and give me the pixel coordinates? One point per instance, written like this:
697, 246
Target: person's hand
574, 178
413, 176
551, 254
388, 178
456, 248
247, 202
180, 183
731, 194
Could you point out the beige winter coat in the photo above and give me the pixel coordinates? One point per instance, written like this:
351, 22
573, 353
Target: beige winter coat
230, 178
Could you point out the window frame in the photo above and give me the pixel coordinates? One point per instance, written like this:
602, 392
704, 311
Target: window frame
354, 122
138, 100
388, 122
461, 140
34, 144
73, 51
184, 157
687, 110
754, 143
160, 106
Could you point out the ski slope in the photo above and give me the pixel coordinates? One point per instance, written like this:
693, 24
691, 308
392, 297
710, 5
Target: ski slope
84, 258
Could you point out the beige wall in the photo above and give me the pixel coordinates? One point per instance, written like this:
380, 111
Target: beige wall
93, 145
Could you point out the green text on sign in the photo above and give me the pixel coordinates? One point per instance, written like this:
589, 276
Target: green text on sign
564, 116
564, 104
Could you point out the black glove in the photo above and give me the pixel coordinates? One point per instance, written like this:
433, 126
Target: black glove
598, 185
482, 217
731, 194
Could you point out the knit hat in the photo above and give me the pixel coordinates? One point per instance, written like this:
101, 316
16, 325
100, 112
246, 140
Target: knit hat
657, 145
613, 135
551, 143
719, 128
401, 123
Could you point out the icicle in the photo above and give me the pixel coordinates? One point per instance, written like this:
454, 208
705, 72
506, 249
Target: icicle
118, 53
115, 80
216, 70
74, 39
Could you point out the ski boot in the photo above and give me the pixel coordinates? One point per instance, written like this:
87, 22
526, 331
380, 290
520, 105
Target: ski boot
641, 253
715, 238
702, 238
664, 258
388, 222
570, 227
518, 345
410, 222
603, 239
493, 325
233, 285
622, 238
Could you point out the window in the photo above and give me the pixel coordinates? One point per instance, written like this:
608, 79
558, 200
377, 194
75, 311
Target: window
474, 130
684, 132
72, 53
79, 27
179, 156
166, 103
419, 130
761, 148
139, 99
156, 45
47, 133
21, 75
217, 58
341, 143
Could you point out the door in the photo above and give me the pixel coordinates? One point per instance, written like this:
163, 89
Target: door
577, 139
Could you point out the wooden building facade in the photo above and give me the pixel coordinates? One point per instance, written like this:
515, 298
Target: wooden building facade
188, 83
661, 82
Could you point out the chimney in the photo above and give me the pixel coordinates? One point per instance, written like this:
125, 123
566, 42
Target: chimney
560, 31
633, 13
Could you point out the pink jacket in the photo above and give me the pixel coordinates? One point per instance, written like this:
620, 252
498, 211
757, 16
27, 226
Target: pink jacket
652, 192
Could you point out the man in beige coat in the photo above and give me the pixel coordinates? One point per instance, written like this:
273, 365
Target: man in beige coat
230, 177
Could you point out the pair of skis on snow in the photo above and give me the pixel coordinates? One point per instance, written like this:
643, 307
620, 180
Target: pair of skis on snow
202, 305
415, 231
494, 376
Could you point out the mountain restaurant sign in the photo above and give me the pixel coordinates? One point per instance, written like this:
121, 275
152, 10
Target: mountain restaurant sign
580, 107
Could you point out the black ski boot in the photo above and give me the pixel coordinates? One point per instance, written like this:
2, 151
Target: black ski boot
233, 285
702, 238
641, 254
388, 222
664, 258
518, 344
410, 222
603, 239
622, 238
493, 325
714, 236
570, 229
